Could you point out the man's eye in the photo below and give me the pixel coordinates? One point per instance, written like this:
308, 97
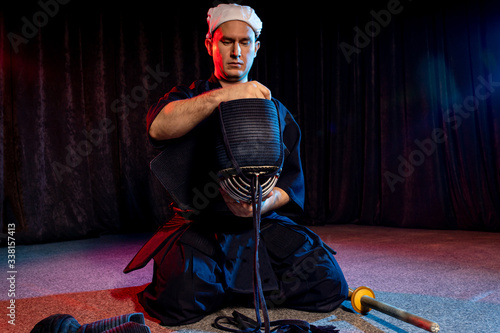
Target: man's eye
226, 42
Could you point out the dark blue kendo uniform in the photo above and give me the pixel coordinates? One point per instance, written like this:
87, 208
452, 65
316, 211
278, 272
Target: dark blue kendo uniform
203, 259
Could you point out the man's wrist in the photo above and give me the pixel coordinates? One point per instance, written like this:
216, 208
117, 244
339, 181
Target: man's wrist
214, 97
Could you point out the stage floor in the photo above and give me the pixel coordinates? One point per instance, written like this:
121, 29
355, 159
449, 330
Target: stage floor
450, 277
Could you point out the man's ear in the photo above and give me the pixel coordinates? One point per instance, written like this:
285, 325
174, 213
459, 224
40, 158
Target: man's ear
257, 47
208, 45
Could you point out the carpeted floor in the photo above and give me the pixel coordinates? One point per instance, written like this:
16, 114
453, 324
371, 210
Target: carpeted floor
450, 277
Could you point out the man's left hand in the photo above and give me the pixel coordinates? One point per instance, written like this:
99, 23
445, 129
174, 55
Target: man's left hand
272, 201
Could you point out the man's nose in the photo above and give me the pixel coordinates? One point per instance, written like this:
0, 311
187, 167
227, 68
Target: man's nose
236, 50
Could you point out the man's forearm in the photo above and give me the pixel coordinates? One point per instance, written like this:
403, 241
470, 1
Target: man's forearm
179, 117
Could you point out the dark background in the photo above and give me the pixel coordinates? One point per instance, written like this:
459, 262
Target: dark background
402, 132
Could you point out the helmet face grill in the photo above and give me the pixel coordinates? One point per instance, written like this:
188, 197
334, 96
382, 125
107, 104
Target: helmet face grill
250, 144
240, 189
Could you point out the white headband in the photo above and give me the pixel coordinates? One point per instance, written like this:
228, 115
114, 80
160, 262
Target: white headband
232, 12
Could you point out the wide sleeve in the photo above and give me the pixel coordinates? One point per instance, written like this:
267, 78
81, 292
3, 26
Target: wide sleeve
177, 93
291, 179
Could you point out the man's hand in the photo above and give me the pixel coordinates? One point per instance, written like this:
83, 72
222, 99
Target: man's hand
272, 201
251, 89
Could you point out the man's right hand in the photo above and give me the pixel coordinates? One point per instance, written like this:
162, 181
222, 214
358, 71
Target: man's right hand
250, 89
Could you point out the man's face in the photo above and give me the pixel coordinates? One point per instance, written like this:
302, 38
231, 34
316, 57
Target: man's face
233, 48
